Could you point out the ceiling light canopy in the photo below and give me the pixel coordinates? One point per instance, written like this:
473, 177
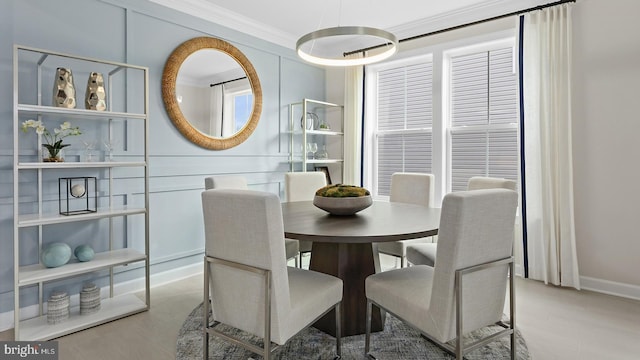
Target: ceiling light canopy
329, 46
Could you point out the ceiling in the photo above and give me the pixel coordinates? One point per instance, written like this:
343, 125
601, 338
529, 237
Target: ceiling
284, 21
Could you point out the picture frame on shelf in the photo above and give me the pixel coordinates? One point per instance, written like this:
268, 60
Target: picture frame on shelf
80, 195
325, 170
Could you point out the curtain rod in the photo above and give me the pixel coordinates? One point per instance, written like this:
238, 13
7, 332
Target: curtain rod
228, 81
539, 7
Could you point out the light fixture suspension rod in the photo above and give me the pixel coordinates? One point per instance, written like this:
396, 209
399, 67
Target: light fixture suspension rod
520, 12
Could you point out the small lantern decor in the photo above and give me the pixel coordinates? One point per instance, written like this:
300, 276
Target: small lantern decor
77, 195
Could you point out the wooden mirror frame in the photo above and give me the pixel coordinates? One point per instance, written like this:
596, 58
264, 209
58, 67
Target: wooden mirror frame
170, 75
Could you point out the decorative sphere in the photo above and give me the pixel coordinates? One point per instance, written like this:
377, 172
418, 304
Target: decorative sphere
78, 190
55, 254
84, 252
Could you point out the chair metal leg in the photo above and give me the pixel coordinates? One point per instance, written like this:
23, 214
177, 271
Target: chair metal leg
459, 322
205, 303
512, 308
267, 318
338, 332
368, 328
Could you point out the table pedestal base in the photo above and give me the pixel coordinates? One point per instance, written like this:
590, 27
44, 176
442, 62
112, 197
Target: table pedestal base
352, 263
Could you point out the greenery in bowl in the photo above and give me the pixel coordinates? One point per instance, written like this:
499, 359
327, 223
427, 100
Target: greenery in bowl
340, 191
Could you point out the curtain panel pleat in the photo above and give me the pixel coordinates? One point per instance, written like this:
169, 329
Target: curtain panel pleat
354, 90
546, 87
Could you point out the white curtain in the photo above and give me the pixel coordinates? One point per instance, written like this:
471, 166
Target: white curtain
215, 113
353, 123
546, 84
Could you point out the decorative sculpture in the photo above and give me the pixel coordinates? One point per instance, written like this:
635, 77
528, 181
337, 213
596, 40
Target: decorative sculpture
95, 96
64, 92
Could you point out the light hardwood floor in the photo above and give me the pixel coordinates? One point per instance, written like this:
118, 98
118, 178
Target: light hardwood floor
556, 323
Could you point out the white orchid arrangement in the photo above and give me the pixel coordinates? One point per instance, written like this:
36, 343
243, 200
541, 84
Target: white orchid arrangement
53, 142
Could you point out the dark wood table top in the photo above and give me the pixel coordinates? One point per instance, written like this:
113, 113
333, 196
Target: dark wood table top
382, 221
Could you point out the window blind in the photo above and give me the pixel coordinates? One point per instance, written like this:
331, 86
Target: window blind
404, 122
484, 117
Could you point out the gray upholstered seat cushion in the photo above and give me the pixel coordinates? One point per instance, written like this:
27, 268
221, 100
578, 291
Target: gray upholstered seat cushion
405, 292
422, 254
311, 294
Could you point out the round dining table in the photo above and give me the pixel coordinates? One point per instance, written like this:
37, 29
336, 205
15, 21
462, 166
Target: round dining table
342, 247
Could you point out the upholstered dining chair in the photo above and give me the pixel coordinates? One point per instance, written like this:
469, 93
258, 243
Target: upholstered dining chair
412, 188
302, 186
425, 254
240, 183
225, 182
251, 288
465, 291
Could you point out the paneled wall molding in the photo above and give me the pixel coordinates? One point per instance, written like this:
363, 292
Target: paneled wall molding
144, 33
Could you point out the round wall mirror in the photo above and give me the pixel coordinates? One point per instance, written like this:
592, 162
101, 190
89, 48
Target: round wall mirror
211, 93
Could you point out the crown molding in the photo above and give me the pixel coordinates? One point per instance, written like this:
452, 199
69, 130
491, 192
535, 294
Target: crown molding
222, 16
480, 11
219, 15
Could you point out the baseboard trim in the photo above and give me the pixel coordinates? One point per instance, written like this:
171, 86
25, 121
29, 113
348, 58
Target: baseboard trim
126, 287
610, 287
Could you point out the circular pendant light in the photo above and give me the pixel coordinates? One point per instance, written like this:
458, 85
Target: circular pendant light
328, 46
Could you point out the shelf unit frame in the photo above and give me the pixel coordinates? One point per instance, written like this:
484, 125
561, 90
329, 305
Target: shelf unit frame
114, 307
306, 105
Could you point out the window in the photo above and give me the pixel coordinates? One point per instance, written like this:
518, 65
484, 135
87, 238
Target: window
404, 121
484, 117
238, 103
243, 104
471, 131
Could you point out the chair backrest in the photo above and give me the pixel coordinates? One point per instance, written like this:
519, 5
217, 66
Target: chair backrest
302, 186
480, 182
412, 188
225, 182
476, 227
245, 226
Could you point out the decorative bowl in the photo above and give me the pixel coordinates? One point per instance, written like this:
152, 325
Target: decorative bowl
342, 206
342, 199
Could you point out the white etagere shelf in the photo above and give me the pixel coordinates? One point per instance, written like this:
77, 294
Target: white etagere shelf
80, 113
302, 133
113, 306
27, 220
33, 274
77, 165
319, 132
110, 309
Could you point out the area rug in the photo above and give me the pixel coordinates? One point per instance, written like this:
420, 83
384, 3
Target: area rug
396, 342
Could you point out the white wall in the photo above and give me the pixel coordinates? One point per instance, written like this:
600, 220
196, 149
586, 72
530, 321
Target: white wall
606, 147
141, 33
606, 132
